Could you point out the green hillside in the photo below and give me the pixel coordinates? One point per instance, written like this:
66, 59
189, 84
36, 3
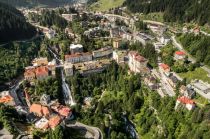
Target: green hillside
50, 3
13, 25
103, 5
174, 10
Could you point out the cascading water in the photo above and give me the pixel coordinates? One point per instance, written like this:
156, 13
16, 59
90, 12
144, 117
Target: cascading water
66, 91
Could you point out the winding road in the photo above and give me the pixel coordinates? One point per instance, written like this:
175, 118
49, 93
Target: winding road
94, 131
190, 58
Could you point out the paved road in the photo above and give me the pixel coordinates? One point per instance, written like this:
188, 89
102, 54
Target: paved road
180, 47
96, 132
164, 83
205, 33
13, 93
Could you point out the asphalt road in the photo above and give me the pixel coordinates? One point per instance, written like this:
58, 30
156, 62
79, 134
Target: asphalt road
179, 46
96, 132
13, 93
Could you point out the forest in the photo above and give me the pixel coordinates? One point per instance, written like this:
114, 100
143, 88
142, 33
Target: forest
49, 18
15, 57
13, 25
32, 3
174, 10
197, 46
117, 94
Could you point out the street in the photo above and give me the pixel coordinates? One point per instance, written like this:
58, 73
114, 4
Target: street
190, 58
94, 131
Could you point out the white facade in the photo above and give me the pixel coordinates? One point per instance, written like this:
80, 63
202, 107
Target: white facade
201, 87
78, 48
102, 52
42, 123
136, 62
165, 40
50, 34
68, 68
119, 56
80, 57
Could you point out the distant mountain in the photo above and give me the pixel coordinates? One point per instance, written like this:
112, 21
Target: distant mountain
174, 10
13, 25
24, 3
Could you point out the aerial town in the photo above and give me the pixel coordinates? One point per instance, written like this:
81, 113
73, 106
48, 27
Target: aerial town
47, 97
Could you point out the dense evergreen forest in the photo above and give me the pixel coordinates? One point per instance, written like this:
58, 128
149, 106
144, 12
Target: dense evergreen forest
13, 25
48, 19
174, 10
117, 94
14, 58
197, 46
29, 3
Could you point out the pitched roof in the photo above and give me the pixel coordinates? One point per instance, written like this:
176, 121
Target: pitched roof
64, 111
29, 72
164, 66
45, 111
6, 99
41, 71
36, 108
180, 53
185, 100
54, 121
39, 109
137, 56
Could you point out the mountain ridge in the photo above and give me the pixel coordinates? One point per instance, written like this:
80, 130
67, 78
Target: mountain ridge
31, 3
13, 25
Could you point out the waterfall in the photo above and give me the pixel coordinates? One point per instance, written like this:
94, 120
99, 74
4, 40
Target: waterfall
66, 91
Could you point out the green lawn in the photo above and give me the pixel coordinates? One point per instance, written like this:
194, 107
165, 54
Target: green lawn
104, 5
201, 101
198, 73
206, 28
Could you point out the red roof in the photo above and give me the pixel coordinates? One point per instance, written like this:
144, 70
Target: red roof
64, 111
185, 100
180, 53
54, 121
39, 110
164, 66
137, 56
41, 71
6, 99
45, 111
29, 72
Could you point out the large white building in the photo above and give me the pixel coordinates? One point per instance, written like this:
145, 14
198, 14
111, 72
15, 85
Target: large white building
68, 68
106, 51
201, 87
69, 17
119, 56
78, 57
50, 33
137, 63
188, 103
78, 48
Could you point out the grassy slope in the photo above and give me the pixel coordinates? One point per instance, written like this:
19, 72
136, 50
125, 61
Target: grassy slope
199, 73
103, 5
